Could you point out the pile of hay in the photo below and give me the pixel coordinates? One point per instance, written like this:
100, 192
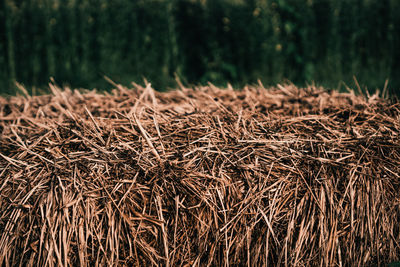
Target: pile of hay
205, 176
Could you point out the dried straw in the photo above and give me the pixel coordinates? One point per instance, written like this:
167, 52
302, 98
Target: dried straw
204, 176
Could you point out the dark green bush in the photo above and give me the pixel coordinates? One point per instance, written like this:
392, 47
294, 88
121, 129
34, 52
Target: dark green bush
78, 42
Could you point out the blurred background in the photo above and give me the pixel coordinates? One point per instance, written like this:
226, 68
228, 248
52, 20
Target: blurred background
79, 41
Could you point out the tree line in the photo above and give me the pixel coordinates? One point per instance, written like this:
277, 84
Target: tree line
78, 42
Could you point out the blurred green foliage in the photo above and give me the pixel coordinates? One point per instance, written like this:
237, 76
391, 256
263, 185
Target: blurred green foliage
78, 42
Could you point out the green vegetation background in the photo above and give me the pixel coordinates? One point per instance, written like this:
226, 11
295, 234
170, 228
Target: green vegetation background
78, 42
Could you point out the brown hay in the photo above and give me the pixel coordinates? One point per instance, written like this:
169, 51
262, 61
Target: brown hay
210, 177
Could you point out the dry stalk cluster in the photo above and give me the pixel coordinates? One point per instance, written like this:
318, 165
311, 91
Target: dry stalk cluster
199, 177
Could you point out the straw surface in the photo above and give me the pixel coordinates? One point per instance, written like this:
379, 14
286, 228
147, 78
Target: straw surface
203, 177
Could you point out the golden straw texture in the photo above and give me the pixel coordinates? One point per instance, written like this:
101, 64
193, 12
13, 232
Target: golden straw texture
284, 176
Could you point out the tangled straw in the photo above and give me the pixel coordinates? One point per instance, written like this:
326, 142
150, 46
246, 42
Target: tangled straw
203, 177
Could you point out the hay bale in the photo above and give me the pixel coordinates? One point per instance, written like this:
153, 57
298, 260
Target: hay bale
204, 176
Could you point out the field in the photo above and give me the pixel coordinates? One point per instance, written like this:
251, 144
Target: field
204, 176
